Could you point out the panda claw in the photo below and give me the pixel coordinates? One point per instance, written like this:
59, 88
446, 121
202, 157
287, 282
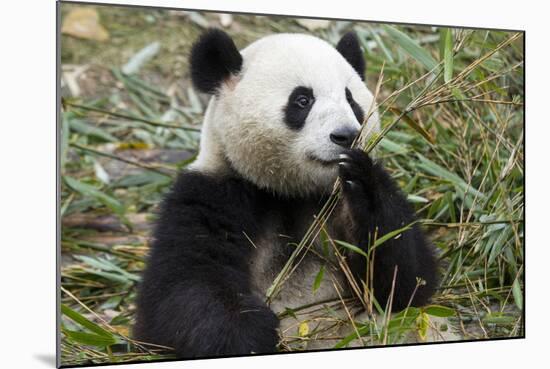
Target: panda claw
351, 185
344, 157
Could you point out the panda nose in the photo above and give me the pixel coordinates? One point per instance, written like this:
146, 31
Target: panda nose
344, 136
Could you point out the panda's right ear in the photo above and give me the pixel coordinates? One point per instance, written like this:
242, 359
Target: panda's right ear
350, 48
214, 58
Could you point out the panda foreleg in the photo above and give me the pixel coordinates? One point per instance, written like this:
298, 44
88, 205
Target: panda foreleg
196, 294
376, 206
204, 317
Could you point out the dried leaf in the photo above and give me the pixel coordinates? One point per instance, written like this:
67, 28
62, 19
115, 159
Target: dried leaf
225, 19
423, 323
198, 19
303, 329
413, 124
100, 173
313, 24
84, 23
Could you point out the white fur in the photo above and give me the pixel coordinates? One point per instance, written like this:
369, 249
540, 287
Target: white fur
244, 129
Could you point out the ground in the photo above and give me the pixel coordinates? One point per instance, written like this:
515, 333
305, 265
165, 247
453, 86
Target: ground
451, 102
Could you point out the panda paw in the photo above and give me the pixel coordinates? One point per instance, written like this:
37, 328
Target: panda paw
358, 175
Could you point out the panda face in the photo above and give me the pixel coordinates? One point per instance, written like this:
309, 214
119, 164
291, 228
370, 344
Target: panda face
281, 121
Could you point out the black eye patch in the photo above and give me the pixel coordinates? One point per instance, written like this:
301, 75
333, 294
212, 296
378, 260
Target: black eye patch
298, 107
357, 111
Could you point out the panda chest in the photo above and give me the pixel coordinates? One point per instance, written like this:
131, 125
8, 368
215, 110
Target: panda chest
313, 280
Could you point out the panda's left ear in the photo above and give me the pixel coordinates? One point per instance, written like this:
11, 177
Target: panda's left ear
350, 48
214, 59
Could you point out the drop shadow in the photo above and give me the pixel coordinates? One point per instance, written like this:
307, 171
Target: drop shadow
48, 359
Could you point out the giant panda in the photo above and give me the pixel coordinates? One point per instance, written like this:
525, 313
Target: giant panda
276, 135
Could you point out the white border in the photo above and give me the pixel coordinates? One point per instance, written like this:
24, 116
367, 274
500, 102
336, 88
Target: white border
27, 329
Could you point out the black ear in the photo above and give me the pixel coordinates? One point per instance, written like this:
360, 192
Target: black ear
350, 48
214, 58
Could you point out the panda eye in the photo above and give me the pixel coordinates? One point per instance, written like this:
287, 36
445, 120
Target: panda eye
302, 101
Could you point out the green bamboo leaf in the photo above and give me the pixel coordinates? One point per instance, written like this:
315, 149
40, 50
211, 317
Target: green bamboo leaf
411, 311
413, 124
517, 293
391, 235
351, 247
84, 322
90, 191
436, 208
141, 179
448, 56
380, 43
451, 206
498, 318
411, 47
439, 311
290, 312
436, 170
87, 129
392, 146
90, 339
117, 278
141, 58
363, 331
318, 279
107, 266
441, 45
412, 183
324, 238
417, 199
404, 320
501, 240
458, 94
65, 133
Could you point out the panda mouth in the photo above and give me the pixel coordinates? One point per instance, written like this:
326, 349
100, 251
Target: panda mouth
323, 162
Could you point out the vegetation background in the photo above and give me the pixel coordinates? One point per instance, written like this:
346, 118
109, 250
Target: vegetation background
452, 108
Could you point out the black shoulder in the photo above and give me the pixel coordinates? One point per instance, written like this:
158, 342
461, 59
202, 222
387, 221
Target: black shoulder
200, 203
223, 192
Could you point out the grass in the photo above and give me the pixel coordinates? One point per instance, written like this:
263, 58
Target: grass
451, 104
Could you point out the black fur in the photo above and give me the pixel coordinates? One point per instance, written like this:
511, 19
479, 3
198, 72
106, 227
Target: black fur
350, 48
214, 58
377, 207
196, 295
357, 110
295, 114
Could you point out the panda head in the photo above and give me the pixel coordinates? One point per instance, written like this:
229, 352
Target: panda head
283, 109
